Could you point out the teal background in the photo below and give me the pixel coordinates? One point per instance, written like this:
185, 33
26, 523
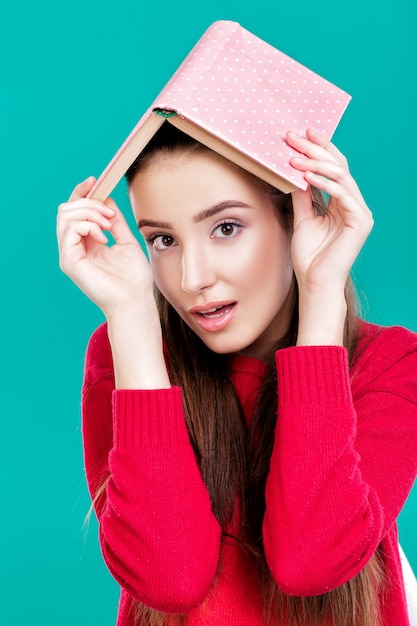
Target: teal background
75, 77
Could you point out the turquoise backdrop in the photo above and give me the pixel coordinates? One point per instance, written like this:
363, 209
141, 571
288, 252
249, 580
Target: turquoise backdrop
75, 77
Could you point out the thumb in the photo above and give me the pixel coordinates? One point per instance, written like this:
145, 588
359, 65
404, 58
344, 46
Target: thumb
302, 203
119, 227
82, 189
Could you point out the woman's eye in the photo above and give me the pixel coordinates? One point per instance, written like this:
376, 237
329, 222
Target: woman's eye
227, 229
161, 242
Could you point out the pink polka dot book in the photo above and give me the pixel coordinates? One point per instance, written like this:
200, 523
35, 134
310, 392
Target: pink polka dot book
239, 96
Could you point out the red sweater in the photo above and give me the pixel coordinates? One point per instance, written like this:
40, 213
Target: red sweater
343, 464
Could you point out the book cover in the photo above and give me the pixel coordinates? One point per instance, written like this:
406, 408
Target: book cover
238, 95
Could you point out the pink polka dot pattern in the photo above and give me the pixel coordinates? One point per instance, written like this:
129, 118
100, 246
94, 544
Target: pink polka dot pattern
250, 94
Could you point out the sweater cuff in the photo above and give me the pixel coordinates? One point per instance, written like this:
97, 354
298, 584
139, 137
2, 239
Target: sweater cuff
148, 418
313, 374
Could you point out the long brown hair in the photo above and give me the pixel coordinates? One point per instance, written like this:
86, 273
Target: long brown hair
231, 465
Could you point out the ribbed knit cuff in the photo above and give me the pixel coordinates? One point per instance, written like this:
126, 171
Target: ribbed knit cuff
309, 374
144, 418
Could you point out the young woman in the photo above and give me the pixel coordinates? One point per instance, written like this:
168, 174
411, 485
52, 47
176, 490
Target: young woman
249, 441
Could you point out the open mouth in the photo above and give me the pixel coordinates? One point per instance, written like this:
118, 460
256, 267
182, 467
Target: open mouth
217, 311
215, 318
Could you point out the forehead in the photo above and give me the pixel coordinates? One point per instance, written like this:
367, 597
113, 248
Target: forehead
193, 181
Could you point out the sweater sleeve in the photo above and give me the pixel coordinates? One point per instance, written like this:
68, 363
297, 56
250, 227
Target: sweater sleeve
344, 459
158, 535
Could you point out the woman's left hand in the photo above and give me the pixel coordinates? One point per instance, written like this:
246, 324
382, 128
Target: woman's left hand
324, 248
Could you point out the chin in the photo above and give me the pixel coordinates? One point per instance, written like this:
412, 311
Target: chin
227, 345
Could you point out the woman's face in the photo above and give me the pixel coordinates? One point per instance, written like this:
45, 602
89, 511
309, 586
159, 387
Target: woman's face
218, 250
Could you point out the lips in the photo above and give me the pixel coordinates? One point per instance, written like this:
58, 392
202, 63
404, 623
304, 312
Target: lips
217, 311
214, 317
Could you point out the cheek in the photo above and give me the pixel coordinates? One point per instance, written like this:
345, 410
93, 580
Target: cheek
165, 277
267, 259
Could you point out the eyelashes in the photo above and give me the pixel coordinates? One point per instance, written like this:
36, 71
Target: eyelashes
228, 229
224, 230
160, 241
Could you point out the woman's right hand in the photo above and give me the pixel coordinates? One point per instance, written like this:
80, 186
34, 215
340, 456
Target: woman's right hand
116, 277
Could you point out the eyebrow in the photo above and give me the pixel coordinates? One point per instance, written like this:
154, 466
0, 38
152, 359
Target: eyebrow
201, 216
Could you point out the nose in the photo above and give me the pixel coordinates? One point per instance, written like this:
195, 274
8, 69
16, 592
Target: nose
198, 271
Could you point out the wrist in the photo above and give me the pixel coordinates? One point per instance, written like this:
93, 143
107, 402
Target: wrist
322, 316
135, 337
137, 301
143, 310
